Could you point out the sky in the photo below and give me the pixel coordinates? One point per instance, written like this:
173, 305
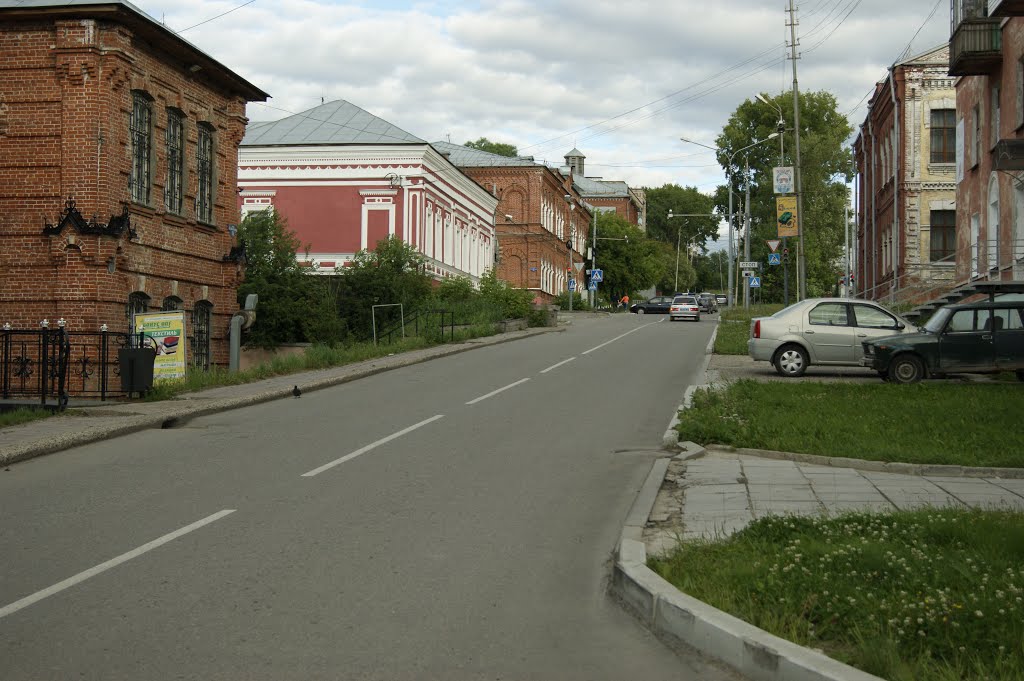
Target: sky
622, 81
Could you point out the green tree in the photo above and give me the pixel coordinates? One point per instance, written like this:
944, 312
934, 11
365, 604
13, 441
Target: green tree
392, 274
826, 167
294, 306
499, 148
701, 225
630, 261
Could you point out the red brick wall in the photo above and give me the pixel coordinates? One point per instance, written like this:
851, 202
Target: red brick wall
524, 242
973, 191
65, 99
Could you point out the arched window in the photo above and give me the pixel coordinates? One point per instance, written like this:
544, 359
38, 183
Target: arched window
138, 303
175, 140
992, 226
140, 126
202, 315
172, 303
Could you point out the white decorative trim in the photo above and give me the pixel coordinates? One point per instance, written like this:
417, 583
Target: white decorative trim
378, 192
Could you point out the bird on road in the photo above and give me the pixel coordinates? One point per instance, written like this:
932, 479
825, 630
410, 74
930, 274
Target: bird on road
296, 391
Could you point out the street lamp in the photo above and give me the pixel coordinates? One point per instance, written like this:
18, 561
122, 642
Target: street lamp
781, 127
732, 257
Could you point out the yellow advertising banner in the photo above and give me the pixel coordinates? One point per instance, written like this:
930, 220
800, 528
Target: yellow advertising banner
165, 333
785, 210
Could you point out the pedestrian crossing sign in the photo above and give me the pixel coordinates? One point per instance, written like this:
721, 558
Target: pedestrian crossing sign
755, 282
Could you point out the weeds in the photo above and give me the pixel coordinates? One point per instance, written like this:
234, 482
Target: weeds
928, 594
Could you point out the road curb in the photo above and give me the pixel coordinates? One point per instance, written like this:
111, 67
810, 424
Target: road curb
669, 612
187, 407
670, 440
878, 466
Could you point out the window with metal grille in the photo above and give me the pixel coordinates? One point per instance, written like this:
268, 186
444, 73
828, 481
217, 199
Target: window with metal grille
172, 303
140, 125
202, 313
138, 303
943, 234
175, 160
204, 196
943, 136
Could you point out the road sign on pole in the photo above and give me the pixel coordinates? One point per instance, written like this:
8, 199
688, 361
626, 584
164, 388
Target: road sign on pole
592, 285
749, 273
774, 258
596, 275
774, 244
755, 282
750, 265
572, 284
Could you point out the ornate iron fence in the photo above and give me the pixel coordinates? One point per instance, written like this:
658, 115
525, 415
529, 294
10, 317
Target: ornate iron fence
55, 364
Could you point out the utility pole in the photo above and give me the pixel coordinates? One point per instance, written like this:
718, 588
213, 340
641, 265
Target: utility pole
846, 245
746, 233
593, 258
801, 263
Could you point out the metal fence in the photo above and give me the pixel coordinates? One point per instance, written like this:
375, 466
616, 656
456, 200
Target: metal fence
52, 365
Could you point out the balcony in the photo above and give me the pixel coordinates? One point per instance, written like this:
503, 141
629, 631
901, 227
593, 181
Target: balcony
1005, 8
976, 47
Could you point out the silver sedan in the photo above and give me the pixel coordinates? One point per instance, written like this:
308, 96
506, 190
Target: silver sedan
825, 331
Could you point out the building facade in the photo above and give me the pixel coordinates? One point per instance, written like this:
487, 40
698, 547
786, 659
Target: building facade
542, 221
607, 195
905, 155
117, 186
987, 55
344, 179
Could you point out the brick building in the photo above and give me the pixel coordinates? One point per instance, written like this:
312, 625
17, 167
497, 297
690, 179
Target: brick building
614, 195
344, 179
542, 222
986, 51
118, 142
905, 190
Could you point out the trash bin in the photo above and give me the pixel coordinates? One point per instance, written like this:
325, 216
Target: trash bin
136, 369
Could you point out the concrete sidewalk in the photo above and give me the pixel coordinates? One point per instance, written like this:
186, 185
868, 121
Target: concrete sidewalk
83, 425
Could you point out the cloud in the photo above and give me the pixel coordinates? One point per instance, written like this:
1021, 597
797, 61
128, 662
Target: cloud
622, 81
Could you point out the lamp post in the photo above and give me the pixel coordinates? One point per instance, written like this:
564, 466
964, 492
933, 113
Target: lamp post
728, 171
781, 128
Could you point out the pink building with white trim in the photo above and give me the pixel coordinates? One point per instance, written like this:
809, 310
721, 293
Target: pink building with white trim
345, 179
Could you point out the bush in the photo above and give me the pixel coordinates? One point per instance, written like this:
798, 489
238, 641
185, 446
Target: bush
578, 301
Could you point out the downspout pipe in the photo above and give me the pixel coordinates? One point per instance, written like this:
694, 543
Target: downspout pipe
897, 168
874, 193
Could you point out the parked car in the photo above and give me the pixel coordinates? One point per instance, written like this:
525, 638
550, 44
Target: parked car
825, 331
658, 304
721, 299
981, 337
684, 307
708, 303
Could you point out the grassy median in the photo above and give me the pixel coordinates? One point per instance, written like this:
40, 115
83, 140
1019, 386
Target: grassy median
928, 594
969, 424
734, 329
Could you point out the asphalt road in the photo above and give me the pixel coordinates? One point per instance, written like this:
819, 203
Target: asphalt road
450, 520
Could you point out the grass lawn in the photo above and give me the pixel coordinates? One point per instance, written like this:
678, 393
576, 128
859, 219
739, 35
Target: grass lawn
927, 594
969, 424
13, 418
734, 329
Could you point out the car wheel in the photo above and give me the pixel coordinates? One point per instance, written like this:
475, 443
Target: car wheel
906, 369
640, 310
791, 361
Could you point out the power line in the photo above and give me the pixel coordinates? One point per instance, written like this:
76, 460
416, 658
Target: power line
216, 17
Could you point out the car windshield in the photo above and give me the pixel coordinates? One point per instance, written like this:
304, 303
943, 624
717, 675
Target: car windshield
684, 300
938, 320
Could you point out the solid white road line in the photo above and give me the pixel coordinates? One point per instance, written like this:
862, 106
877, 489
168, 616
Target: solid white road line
587, 352
113, 562
372, 445
499, 390
555, 366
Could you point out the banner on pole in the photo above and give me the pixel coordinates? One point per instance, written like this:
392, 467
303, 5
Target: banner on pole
783, 179
785, 210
